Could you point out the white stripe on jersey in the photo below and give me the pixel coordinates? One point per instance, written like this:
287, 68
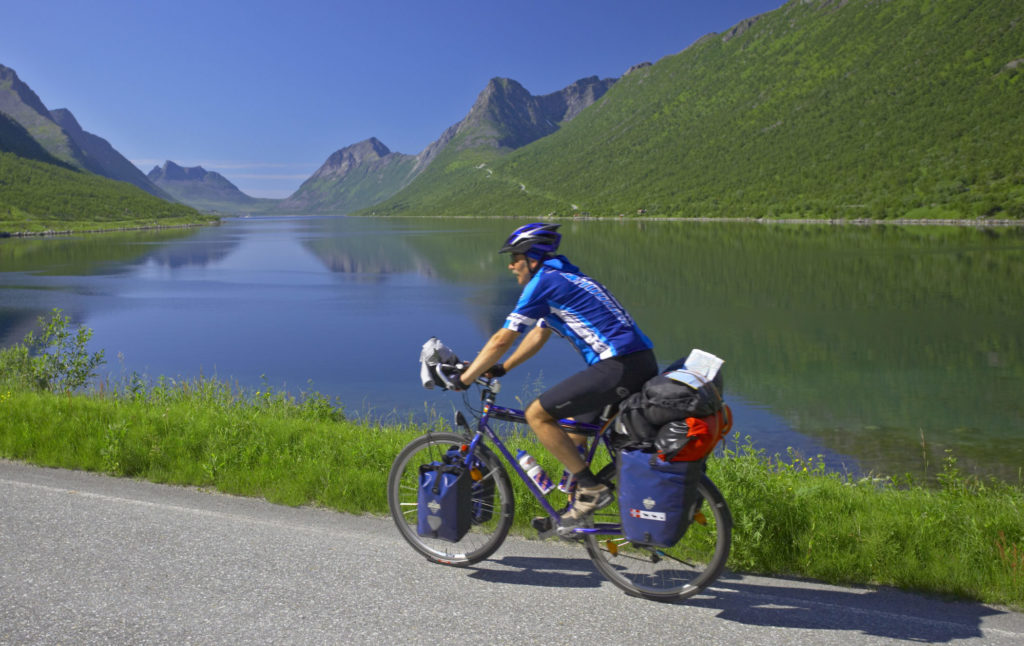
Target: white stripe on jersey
583, 331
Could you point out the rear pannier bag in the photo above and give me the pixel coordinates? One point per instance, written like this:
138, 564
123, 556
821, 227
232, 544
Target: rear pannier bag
443, 501
657, 499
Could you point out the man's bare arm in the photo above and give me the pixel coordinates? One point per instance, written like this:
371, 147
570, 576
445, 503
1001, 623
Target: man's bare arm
494, 349
532, 343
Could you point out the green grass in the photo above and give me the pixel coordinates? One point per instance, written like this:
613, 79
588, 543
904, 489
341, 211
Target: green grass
289, 451
964, 539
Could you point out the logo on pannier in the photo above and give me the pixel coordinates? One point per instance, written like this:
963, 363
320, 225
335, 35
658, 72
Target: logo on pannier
643, 514
433, 506
649, 503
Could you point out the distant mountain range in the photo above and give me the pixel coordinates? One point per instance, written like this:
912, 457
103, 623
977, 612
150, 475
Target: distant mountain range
55, 177
205, 190
821, 108
504, 117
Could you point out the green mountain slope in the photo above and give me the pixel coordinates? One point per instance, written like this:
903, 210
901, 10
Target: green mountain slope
36, 196
820, 108
15, 139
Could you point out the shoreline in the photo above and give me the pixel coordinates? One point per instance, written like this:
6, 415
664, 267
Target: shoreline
974, 222
769, 221
908, 222
67, 232
854, 222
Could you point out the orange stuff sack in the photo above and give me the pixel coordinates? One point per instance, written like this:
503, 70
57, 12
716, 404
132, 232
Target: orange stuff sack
694, 438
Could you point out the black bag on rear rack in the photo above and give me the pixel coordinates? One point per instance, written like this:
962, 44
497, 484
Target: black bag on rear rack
671, 396
668, 400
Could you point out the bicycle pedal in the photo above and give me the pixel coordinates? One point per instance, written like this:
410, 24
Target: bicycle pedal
545, 527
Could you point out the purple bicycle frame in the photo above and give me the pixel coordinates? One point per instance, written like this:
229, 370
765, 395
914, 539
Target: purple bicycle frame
490, 409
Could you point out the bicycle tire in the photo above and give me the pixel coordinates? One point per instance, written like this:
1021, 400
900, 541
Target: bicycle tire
484, 537
678, 572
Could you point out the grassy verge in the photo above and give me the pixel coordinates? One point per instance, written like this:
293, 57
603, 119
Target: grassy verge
964, 540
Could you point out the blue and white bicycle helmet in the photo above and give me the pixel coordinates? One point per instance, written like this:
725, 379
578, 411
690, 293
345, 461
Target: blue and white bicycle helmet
537, 240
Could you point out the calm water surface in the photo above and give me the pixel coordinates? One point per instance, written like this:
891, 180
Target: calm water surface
878, 347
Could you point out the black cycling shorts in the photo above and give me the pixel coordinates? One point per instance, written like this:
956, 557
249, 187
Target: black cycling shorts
608, 381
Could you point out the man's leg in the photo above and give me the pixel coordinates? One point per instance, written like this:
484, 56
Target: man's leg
554, 438
590, 494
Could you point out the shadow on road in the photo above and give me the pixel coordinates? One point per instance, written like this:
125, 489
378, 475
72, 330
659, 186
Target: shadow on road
784, 604
882, 612
543, 571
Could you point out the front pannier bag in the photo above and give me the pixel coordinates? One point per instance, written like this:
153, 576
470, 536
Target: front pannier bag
443, 501
657, 498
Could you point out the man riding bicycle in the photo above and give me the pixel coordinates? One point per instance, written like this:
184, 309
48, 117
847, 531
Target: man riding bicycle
558, 297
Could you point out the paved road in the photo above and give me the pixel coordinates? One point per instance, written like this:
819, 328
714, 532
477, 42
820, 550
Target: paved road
86, 559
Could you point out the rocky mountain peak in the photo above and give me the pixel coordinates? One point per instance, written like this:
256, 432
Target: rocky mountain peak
505, 115
171, 172
344, 160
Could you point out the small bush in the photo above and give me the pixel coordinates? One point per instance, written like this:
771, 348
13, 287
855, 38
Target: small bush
56, 361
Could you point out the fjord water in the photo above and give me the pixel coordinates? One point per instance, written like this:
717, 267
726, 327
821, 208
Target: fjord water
878, 347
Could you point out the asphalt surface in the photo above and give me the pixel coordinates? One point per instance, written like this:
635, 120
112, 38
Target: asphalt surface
88, 559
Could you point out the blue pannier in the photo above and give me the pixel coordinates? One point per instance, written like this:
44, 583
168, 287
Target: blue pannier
443, 501
657, 499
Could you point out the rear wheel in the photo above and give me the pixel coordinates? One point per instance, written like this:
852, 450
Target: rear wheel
675, 572
491, 500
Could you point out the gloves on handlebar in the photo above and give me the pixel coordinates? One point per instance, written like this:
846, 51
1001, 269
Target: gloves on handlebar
449, 377
457, 384
497, 370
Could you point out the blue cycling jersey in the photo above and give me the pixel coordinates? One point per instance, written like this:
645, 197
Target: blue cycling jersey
578, 308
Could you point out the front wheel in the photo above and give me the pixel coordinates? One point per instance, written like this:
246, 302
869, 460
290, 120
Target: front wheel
492, 504
676, 572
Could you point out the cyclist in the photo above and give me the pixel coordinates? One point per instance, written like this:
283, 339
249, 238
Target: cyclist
558, 297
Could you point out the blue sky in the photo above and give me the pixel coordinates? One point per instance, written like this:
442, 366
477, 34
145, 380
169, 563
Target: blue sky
263, 92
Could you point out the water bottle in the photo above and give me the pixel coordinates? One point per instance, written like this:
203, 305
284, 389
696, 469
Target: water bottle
568, 482
535, 471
